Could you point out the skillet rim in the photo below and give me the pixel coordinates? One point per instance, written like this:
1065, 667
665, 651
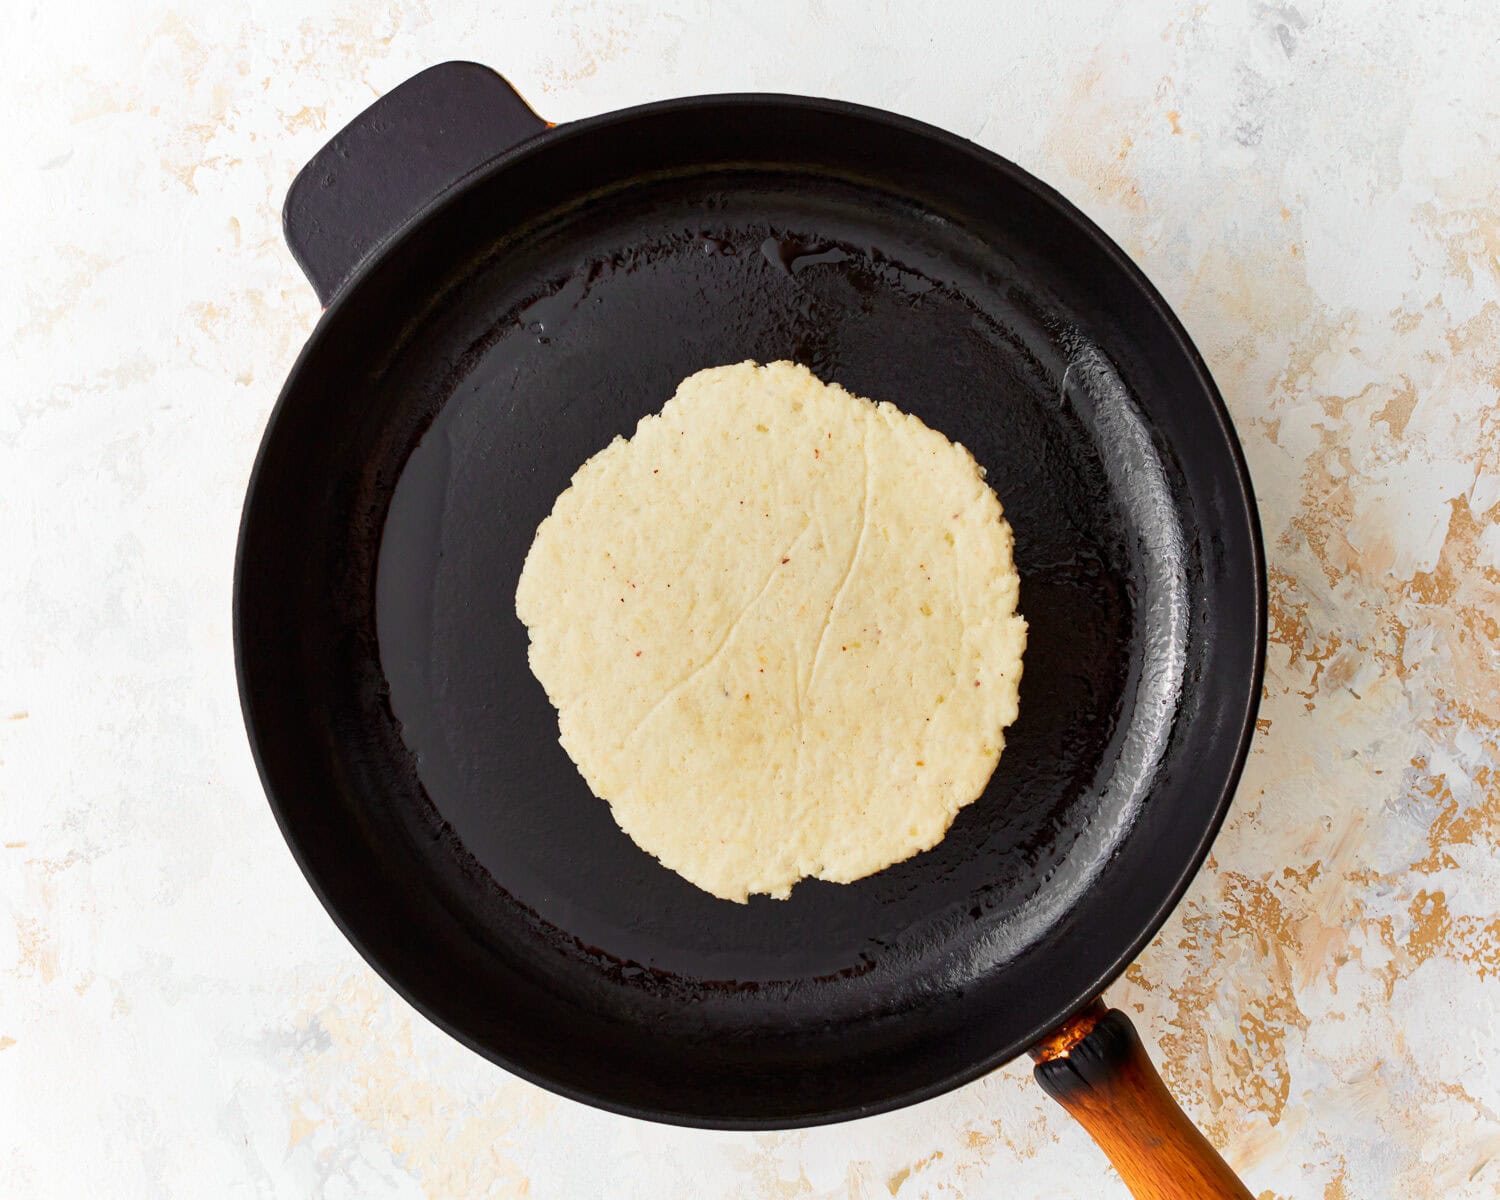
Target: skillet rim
1238, 487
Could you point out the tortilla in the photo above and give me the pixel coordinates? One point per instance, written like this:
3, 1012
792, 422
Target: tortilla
779, 627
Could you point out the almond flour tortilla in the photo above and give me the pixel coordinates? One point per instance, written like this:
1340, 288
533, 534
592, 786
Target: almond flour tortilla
779, 627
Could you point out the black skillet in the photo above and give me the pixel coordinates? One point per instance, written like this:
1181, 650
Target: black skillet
503, 297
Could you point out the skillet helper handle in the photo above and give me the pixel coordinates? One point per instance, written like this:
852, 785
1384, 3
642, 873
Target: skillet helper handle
392, 160
1095, 1066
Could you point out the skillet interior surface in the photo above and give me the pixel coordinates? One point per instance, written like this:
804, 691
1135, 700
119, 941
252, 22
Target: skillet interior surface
547, 306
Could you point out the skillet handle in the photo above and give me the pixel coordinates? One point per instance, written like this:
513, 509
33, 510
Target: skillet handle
397, 156
1095, 1066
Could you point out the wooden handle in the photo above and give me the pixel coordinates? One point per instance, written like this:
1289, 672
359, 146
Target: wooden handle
1095, 1066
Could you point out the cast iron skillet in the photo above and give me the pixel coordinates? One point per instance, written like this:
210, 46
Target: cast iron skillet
504, 297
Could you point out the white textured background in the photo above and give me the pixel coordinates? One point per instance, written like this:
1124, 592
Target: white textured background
1315, 188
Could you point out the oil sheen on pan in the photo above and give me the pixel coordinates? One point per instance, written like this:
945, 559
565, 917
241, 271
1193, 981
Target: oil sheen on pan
553, 371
